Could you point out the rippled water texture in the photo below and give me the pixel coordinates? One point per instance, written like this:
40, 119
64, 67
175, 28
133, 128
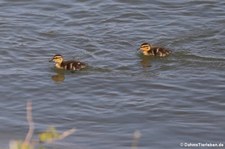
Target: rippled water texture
172, 100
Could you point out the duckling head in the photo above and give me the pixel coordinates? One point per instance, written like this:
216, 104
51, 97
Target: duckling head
58, 59
145, 47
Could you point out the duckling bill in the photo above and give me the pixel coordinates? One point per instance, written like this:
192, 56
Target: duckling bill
67, 65
149, 50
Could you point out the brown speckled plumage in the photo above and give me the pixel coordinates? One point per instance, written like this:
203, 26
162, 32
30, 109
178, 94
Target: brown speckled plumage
147, 49
67, 65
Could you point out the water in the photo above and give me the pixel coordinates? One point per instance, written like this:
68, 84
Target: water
173, 100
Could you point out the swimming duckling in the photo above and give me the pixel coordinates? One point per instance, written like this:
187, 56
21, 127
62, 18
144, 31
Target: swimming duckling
147, 49
67, 65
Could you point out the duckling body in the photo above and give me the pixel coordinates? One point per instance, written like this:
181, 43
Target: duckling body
149, 50
67, 65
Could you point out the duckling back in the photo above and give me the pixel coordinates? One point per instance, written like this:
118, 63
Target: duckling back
73, 65
159, 51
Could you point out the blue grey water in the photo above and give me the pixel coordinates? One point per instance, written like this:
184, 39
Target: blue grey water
172, 100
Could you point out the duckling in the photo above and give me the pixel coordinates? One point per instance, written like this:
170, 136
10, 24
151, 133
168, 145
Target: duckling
67, 65
147, 49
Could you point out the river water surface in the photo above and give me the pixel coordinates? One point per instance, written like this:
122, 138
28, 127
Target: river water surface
172, 100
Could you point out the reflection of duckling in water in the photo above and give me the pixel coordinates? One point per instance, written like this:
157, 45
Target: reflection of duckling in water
58, 77
67, 65
149, 50
145, 62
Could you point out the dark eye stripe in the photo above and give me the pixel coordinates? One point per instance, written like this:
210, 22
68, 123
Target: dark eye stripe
56, 57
